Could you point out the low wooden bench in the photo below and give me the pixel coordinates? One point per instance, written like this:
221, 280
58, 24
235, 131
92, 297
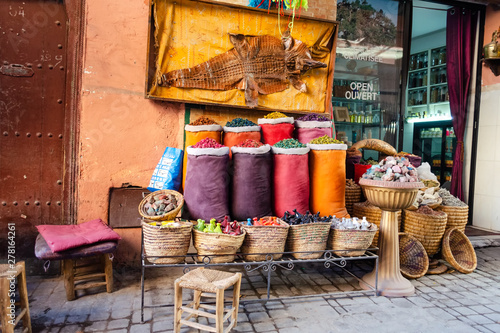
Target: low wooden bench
79, 276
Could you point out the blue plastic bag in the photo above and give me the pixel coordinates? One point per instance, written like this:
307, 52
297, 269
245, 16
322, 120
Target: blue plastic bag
168, 172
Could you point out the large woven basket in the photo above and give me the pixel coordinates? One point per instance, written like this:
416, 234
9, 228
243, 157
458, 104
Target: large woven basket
373, 214
215, 244
413, 260
166, 241
264, 239
458, 251
308, 237
428, 229
352, 196
168, 216
350, 240
457, 216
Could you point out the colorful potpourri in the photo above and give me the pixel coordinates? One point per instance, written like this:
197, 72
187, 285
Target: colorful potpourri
203, 121
274, 115
313, 117
393, 169
249, 143
325, 140
208, 143
224, 227
289, 143
240, 122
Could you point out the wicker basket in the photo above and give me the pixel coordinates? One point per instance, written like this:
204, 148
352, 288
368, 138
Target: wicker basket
264, 239
428, 229
413, 260
166, 241
168, 216
350, 240
458, 251
457, 216
215, 244
373, 214
352, 196
308, 237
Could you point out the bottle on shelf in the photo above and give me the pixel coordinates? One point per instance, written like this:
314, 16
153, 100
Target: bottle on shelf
425, 63
361, 117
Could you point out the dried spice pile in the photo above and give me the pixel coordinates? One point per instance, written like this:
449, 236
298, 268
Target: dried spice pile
393, 169
426, 210
313, 117
274, 115
289, 143
249, 143
240, 122
350, 183
203, 121
449, 199
325, 140
208, 143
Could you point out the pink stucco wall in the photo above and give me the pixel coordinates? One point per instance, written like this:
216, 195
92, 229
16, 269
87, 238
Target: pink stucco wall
122, 134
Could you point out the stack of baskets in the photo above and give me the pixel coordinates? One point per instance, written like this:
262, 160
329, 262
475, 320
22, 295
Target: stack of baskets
264, 239
457, 216
307, 238
373, 214
427, 228
355, 241
161, 239
352, 195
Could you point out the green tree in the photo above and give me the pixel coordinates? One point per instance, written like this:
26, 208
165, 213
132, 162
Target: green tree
358, 19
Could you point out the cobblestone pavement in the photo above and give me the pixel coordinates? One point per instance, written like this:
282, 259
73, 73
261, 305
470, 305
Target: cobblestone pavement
451, 302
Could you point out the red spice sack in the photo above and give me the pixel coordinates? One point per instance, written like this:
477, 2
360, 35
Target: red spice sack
305, 131
290, 180
251, 186
236, 135
206, 191
276, 129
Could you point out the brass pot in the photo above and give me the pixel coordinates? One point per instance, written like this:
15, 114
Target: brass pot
491, 50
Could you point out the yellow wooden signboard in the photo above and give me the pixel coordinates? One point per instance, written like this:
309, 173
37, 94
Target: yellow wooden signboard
185, 33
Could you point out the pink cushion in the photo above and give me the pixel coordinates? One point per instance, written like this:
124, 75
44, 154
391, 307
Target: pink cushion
64, 237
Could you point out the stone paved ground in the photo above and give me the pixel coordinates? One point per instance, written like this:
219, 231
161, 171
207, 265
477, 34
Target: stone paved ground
452, 302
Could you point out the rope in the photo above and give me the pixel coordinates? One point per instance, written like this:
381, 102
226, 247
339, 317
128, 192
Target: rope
46, 265
461, 145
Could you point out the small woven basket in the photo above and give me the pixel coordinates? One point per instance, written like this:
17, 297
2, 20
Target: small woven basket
413, 260
373, 215
428, 229
457, 216
167, 216
308, 237
352, 196
166, 241
264, 239
215, 244
350, 240
458, 251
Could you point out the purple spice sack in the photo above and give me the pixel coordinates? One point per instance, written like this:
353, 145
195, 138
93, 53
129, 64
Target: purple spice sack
206, 191
251, 186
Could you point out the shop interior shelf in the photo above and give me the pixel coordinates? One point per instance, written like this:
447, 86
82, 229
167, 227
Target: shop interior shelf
287, 262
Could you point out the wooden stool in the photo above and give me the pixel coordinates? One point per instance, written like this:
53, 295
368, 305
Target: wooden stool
212, 282
8, 275
86, 273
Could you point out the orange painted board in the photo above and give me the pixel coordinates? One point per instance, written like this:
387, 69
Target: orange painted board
188, 33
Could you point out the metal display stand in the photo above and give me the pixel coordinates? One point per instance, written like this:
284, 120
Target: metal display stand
269, 265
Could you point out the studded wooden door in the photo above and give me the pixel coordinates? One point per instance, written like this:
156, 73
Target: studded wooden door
33, 38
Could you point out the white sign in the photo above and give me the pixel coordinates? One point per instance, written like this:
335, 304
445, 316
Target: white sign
362, 91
